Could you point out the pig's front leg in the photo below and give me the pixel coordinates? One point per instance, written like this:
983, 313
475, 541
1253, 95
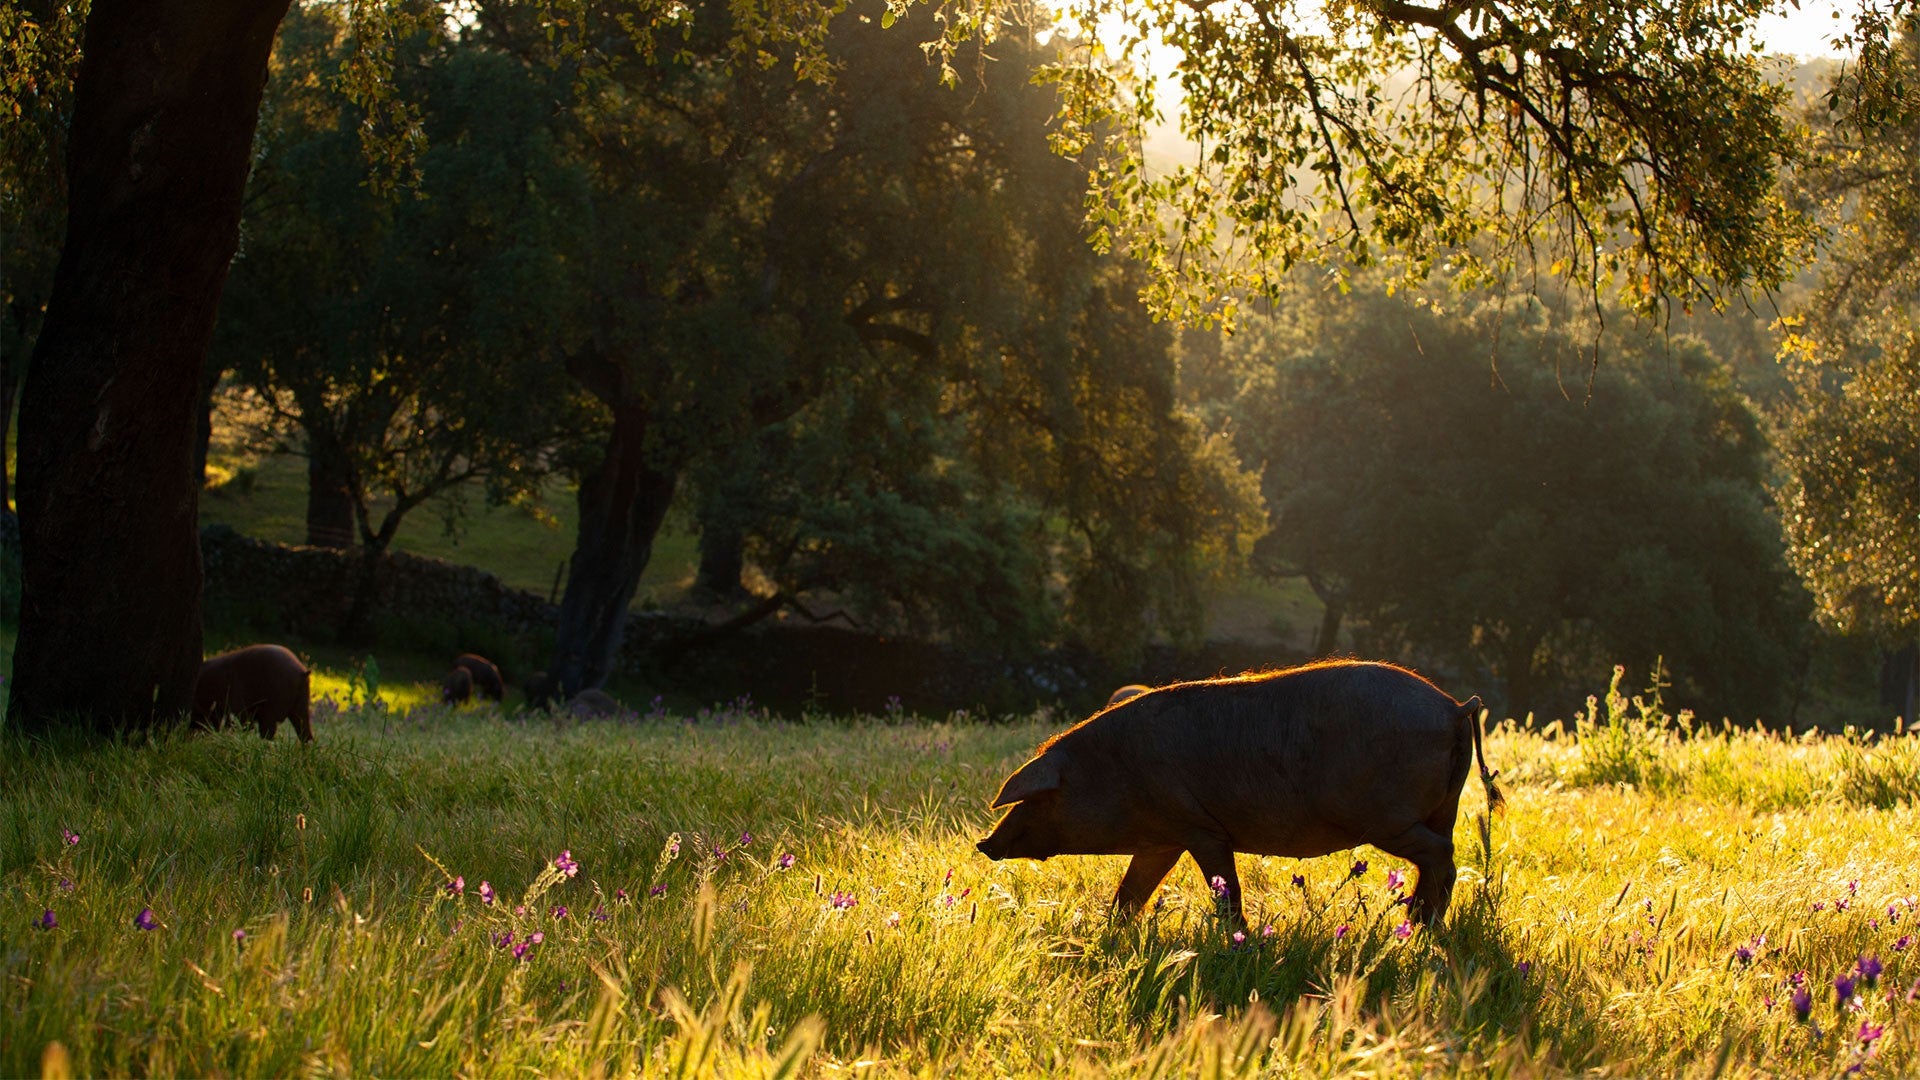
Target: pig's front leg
1144, 874
1216, 862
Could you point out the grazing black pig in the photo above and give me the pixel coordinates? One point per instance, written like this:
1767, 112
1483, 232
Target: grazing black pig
457, 687
1299, 763
486, 677
264, 684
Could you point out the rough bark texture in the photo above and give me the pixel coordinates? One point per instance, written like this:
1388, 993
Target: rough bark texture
622, 503
164, 112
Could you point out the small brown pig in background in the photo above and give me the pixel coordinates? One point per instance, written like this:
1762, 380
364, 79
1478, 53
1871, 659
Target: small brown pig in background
486, 677
1131, 690
457, 687
1300, 763
264, 684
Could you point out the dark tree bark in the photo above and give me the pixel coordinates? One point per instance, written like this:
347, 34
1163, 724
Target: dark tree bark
623, 501
1327, 638
165, 106
331, 505
723, 558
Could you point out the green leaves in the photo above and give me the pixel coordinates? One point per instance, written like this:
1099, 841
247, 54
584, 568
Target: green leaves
1629, 148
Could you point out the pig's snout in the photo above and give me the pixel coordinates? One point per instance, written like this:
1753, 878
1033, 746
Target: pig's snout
990, 848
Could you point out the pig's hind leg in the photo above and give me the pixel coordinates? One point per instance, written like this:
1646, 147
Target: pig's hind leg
1216, 863
1144, 874
1431, 855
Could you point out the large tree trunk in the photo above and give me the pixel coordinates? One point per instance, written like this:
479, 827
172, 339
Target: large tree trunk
723, 558
331, 505
622, 504
164, 112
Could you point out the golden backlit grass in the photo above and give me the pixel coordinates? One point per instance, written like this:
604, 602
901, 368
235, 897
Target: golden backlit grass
1598, 924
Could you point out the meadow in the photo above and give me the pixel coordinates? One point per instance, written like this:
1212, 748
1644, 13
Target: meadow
734, 893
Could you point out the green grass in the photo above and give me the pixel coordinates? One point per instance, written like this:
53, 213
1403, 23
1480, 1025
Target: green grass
1595, 926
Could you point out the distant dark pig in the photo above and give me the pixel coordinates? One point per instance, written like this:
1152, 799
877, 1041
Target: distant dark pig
542, 690
457, 687
591, 703
1131, 690
264, 684
1298, 763
486, 677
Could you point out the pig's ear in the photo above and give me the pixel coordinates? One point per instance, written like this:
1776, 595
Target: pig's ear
1040, 774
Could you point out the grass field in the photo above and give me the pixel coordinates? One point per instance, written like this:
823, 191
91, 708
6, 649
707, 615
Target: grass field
1644, 906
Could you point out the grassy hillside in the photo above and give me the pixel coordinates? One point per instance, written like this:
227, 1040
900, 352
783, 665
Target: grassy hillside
1645, 906
525, 546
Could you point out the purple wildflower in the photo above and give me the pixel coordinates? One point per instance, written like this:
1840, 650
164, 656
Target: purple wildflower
145, 919
1341, 931
1299, 881
519, 909
1266, 931
457, 887
65, 884
1395, 879
502, 940
1404, 930
1842, 991
599, 913
1219, 886
1819, 905
673, 846
719, 853
1797, 979
1802, 1004
559, 911
68, 836
658, 890
1239, 938
520, 950
842, 901
1901, 945
785, 862
1359, 867
1853, 887
1842, 904
239, 935
486, 892
1766, 1002
1869, 969
893, 920
47, 921
1869, 1032
565, 863
1524, 967
746, 838
1743, 954
620, 896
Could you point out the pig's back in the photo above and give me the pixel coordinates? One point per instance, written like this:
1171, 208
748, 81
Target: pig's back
1300, 762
